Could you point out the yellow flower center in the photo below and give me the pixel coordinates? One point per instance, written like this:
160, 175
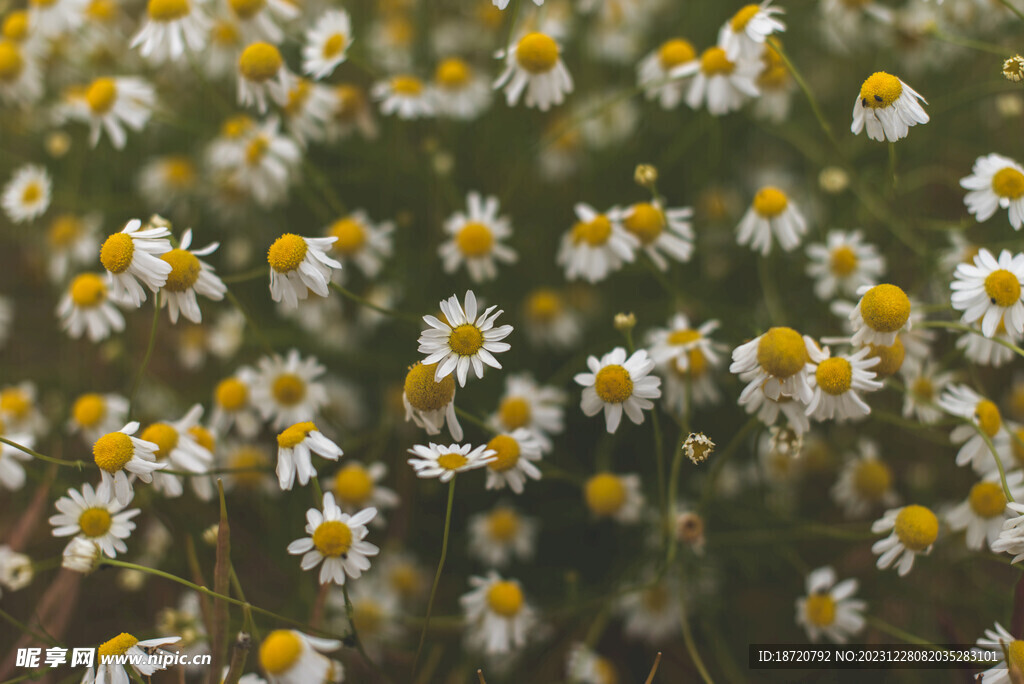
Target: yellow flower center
595, 232
880, 90
697, 366
410, 86
987, 415
224, 33
231, 394
781, 352
514, 412
112, 451
333, 46
1002, 288
475, 239
505, 598
350, 102
916, 527
834, 376
236, 126
295, 435
280, 651
167, 10
101, 95
64, 230
537, 53
288, 389
353, 485
246, 8
88, 410
256, 149
404, 579
646, 221
32, 192
891, 358
740, 20
88, 290
613, 384
769, 202
15, 26
502, 525
119, 645
1015, 651
872, 479
260, 62
332, 538
184, 270
774, 77
605, 494
674, 52
605, 671
94, 522
11, 61
922, 389
987, 499
423, 393
15, 402
164, 436
452, 74
286, 253
681, 337
1008, 183
116, 253
101, 10
466, 339
885, 308
452, 461
543, 305
179, 172
713, 62
507, 456
351, 236
820, 609
203, 437
842, 261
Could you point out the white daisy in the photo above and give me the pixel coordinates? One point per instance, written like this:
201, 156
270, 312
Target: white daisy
549, 320
463, 339
27, 195
72, 241
829, 608
170, 28
618, 384
677, 344
133, 255
112, 103
86, 307
118, 453
585, 666
291, 657
262, 72
743, 36
985, 351
772, 213
144, 657
361, 242
1001, 642
296, 446
665, 72
652, 614
514, 458
327, 43
501, 534
985, 510
596, 245
476, 239
995, 182
351, 112
21, 79
299, 264
357, 486
775, 364
15, 569
990, 291
94, 415
308, 112
459, 91
284, 389
533, 64
962, 401
498, 618
660, 230
914, 530
256, 160
882, 312
94, 516
724, 83
51, 19
404, 95
20, 410
865, 482
614, 496
429, 403
843, 264
888, 107
836, 381
178, 447
443, 462
526, 404
232, 404
336, 538
189, 276
12, 473
923, 387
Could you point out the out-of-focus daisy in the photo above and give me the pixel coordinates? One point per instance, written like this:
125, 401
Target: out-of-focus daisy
430, 403
361, 241
498, 617
914, 530
459, 92
772, 213
596, 245
299, 264
285, 390
514, 457
167, 181
94, 415
476, 239
291, 657
618, 384
923, 387
775, 364
677, 343
836, 381
443, 462
296, 446
526, 404
232, 404
865, 482
744, 35
776, 84
248, 469
20, 410
260, 160
15, 569
463, 339
21, 80
843, 264
327, 43
501, 534
882, 312
257, 19
27, 195
962, 401
56, 17
614, 496
95, 516
188, 277
112, 103
829, 608
12, 473
375, 613
888, 107
549, 320
144, 657
990, 291
983, 513
178, 447
725, 84
663, 74
133, 255
171, 26
336, 538
995, 182
85, 307
985, 351
117, 454
533, 64
351, 112
262, 72
652, 614
357, 486
660, 230
585, 666
405, 95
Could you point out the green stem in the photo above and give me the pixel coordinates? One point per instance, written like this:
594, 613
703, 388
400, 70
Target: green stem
149, 351
437, 575
22, 627
999, 461
950, 325
892, 166
673, 485
466, 415
42, 457
659, 459
808, 93
363, 301
1012, 8
691, 645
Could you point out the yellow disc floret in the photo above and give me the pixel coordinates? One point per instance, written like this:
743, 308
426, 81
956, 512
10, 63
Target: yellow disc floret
353, 485
880, 90
332, 538
350, 234
740, 20
11, 61
474, 239
502, 525
820, 609
713, 62
1008, 183
64, 230
185, 270
410, 86
872, 479
452, 461
164, 436
594, 232
260, 62
646, 222
890, 358
683, 337
112, 451
1002, 288
334, 46
295, 435
514, 412
916, 527
769, 202
423, 393
988, 417
605, 494
834, 376
507, 456
537, 53
842, 261
987, 499
613, 384
87, 290
203, 437
452, 74
505, 598
466, 339
167, 10
119, 645
287, 253
116, 253
101, 95
674, 52
231, 394
280, 651
15, 26
885, 308
94, 522
246, 8
781, 352
543, 305
88, 410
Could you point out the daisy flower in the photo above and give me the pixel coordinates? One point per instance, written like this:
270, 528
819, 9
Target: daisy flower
359, 241
829, 608
775, 364
94, 516
550, 321
679, 344
724, 83
430, 403
653, 614
94, 415
476, 239
375, 612
81, 556
296, 446
744, 35
172, 26
501, 534
15, 569
618, 384
357, 486
299, 264
596, 245
514, 457
990, 291
351, 112
914, 530
262, 72
776, 84
983, 414
836, 381
459, 92
51, 19
327, 43
27, 195
526, 404
144, 657
985, 351
1001, 642
923, 386
118, 453
882, 312
995, 182
463, 339
614, 496
232, 404
985, 510
772, 213
190, 276
291, 657
257, 160
21, 80
534, 65
843, 264
888, 107
865, 482
498, 617
178, 447
12, 473
336, 538
112, 103
584, 666
693, 383
71, 241
404, 95
133, 255
85, 307
664, 73
443, 462
309, 110
660, 230
19, 409
284, 390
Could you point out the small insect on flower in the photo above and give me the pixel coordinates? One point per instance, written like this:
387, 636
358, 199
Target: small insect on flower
444, 462
617, 384
995, 182
619, 497
294, 454
262, 72
327, 43
112, 669
882, 312
772, 214
476, 239
291, 657
829, 608
533, 64
171, 26
990, 291
336, 539
888, 107
463, 339
190, 276
914, 530
27, 195
498, 618
118, 453
93, 515
298, 265
133, 255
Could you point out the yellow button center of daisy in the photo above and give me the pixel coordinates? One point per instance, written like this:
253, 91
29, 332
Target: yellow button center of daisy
87, 290
112, 451
769, 202
231, 394
32, 192
452, 74
203, 437
537, 53
333, 46
1002, 288
246, 8
116, 253
507, 455
101, 10
332, 538
179, 172
224, 33
15, 26
681, 337
698, 363
987, 499
349, 101
167, 10
423, 393
646, 222
505, 598
293, 436
544, 305
740, 20
256, 149
236, 126
351, 236
613, 384
89, 410
11, 61
466, 339
674, 52
820, 609
64, 230
452, 461
286, 253
842, 261
714, 62
774, 77
475, 239
1015, 651
367, 616
514, 412
923, 389
288, 389
101, 95
184, 270
605, 494
280, 651
885, 308
260, 62
595, 232
1008, 183
1018, 446
880, 90
94, 522
890, 358
987, 415
872, 479
353, 485
502, 525
410, 86
15, 402
781, 352
119, 645
916, 527
164, 436
834, 376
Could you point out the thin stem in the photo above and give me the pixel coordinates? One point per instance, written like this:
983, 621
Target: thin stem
22, 627
972, 44
363, 301
950, 325
691, 645
999, 461
149, 351
883, 626
349, 611
437, 575
659, 459
1012, 8
892, 166
654, 669
798, 77
42, 457
673, 485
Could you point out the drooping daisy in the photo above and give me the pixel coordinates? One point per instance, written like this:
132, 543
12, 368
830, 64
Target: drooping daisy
94, 415
776, 84
843, 264
772, 214
865, 482
888, 107
660, 230
665, 72
327, 43
85, 308
296, 446
724, 83
430, 403
533, 64
27, 195
984, 511
291, 657
501, 534
962, 401
914, 530
133, 255
990, 291
93, 515
178, 447
614, 496
882, 312
829, 608
463, 339
596, 245
299, 264
189, 276
476, 238
550, 320
923, 387
113, 670
336, 538
743, 36
15, 569
498, 617
836, 381
171, 26
357, 486
262, 72
118, 453
359, 241
514, 458
618, 384
12, 473
112, 103
443, 462
526, 404
985, 351
459, 91
774, 364
405, 95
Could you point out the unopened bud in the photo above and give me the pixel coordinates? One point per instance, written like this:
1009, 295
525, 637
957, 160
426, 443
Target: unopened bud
833, 180
210, 534
625, 322
690, 530
646, 175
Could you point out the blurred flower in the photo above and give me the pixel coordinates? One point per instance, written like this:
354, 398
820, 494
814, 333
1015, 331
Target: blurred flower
995, 182
534, 65
327, 43
27, 195
296, 445
498, 618
476, 239
829, 608
772, 213
614, 496
291, 657
513, 462
501, 534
